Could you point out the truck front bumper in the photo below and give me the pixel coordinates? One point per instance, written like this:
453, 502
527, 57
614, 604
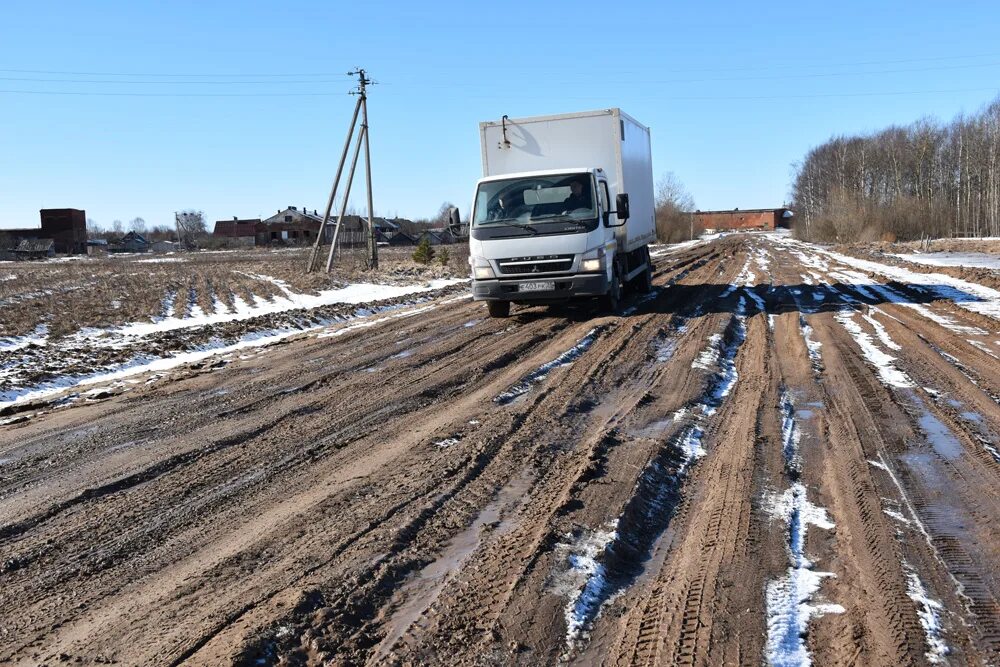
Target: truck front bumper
565, 287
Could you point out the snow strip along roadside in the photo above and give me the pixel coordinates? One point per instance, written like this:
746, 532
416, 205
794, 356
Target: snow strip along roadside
524, 385
21, 396
789, 599
351, 294
606, 562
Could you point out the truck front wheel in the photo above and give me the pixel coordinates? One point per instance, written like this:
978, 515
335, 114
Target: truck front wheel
498, 308
612, 301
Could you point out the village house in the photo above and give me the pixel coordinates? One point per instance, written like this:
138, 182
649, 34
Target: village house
239, 232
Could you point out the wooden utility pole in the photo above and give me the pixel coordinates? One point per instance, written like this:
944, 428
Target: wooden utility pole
372, 245
362, 107
333, 192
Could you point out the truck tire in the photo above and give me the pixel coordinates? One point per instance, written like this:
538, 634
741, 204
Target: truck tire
498, 308
644, 281
612, 301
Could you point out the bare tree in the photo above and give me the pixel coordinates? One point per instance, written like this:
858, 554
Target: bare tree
925, 179
190, 225
137, 225
117, 228
94, 229
674, 208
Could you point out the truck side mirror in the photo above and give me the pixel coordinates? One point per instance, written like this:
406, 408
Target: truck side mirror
454, 221
621, 204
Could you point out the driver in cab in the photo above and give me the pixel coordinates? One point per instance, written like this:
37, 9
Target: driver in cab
576, 198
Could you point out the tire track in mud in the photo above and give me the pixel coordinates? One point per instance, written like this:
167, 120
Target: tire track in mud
519, 540
497, 365
396, 513
905, 418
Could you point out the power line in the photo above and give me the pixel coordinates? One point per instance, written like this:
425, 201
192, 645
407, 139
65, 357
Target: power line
127, 81
108, 94
154, 74
341, 76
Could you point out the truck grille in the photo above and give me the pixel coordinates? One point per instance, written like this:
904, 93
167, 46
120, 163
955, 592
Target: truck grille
536, 265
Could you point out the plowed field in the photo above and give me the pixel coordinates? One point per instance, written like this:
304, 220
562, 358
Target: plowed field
782, 455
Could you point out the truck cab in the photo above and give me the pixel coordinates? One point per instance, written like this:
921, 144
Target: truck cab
544, 237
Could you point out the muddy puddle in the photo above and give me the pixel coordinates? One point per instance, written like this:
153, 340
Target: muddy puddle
423, 588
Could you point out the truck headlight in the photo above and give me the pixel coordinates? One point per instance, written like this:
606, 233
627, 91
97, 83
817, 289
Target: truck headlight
481, 269
593, 261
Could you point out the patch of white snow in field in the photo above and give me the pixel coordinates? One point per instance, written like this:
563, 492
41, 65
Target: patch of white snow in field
39, 336
883, 363
149, 364
971, 296
979, 260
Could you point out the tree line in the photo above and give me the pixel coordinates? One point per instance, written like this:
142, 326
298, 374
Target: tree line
926, 179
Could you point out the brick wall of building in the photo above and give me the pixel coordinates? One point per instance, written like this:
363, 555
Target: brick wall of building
758, 219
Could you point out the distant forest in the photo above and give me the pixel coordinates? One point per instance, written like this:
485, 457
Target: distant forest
922, 180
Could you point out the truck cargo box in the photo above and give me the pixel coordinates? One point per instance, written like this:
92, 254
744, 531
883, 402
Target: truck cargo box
608, 139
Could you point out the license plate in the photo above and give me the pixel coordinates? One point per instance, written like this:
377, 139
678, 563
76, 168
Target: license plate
543, 286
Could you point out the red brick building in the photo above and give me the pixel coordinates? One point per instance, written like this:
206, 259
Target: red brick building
755, 219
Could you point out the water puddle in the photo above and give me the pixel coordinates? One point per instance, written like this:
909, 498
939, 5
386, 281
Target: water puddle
940, 436
422, 589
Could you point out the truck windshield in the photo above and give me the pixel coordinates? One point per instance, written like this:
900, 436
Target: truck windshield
535, 200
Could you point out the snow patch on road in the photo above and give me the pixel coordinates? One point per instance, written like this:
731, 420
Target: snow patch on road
813, 347
790, 435
523, 386
929, 611
789, 599
650, 503
880, 331
709, 357
586, 579
884, 364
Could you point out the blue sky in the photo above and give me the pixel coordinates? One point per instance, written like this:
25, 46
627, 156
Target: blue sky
734, 93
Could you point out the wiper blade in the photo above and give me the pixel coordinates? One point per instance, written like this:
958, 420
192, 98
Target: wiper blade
523, 225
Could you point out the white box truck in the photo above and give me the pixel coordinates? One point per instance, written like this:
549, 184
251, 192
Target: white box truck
564, 210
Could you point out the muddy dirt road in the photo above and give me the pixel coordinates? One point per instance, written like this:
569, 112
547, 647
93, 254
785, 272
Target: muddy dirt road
782, 455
